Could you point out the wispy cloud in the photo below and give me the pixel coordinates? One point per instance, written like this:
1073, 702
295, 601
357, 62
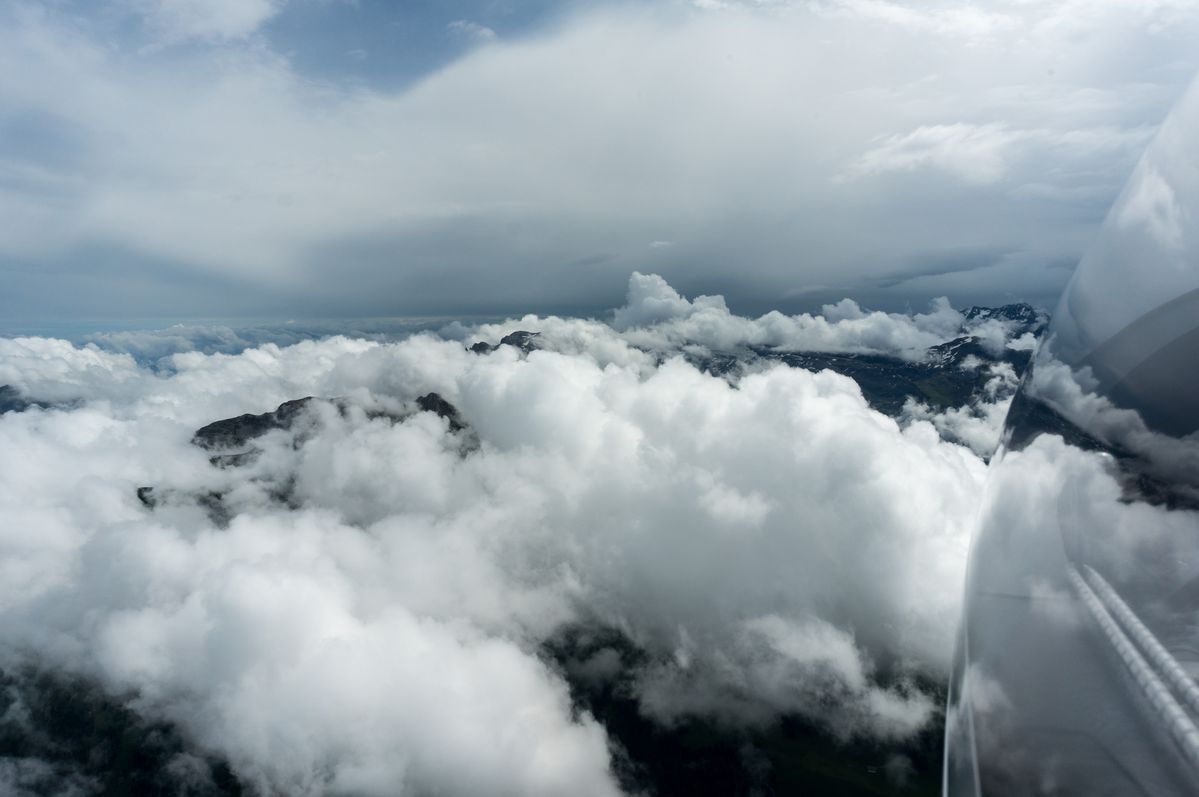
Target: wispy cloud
471, 31
220, 20
987, 153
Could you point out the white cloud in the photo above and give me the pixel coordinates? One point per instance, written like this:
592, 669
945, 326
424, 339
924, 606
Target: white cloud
963, 20
978, 425
981, 155
656, 317
976, 154
58, 371
650, 300
221, 20
471, 31
773, 545
787, 665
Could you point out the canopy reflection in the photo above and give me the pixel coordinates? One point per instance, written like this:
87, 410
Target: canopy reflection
1079, 645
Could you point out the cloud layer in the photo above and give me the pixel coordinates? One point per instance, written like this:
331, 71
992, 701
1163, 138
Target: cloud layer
813, 150
371, 605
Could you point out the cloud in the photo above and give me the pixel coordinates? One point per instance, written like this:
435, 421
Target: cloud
980, 155
153, 347
974, 153
650, 300
471, 31
373, 599
27, 777
478, 187
263, 651
980, 424
58, 371
220, 20
964, 20
787, 665
655, 316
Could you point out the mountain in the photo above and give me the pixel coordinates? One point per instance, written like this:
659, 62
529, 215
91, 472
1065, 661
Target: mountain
1021, 313
12, 401
525, 341
947, 375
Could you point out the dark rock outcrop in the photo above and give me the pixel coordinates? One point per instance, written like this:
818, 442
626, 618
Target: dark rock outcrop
948, 375
211, 501
525, 341
1025, 317
434, 403
11, 400
232, 442
888, 382
237, 432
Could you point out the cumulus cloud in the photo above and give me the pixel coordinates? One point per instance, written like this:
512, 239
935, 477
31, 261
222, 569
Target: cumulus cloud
656, 317
260, 646
153, 347
654, 321
371, 600
57, 371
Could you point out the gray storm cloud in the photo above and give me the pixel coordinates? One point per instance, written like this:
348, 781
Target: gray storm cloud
769, 540
761, 140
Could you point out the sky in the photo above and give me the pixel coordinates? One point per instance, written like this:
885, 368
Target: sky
176, 159
352, 603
